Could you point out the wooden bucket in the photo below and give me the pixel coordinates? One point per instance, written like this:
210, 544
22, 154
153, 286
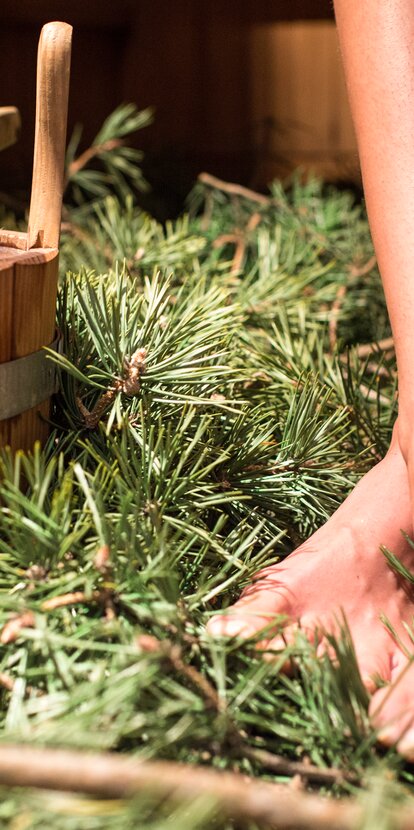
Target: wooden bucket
29, 261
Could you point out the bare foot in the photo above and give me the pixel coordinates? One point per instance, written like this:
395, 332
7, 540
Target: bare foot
341, 569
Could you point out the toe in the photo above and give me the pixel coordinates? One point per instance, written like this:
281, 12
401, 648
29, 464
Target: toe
392, 711
374, 665
234, 626
279, 647
256, 610
372, 656
288, 639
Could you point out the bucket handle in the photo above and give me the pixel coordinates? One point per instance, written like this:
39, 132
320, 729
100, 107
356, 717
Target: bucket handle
52, 93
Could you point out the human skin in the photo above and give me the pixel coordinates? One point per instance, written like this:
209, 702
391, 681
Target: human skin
377, 44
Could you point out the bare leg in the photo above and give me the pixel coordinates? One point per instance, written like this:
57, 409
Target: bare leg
377, 42
378, 48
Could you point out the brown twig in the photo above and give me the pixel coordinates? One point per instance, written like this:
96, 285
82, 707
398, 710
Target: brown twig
355, 271
385, 345
102, 560
91, 419
107, 775
9, 683
333, 320
378, 370
172, 652
130, 385
283, 766
238, 238
74, 598
240, 250
373, 395
12, 628
361, 270
276, 763
233, 189
96, 150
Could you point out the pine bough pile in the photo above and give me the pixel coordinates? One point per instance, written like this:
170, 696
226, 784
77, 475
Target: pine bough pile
216, 406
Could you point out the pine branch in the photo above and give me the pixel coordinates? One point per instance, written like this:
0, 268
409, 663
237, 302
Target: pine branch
114, 776
233, 189
305, 770
119, 164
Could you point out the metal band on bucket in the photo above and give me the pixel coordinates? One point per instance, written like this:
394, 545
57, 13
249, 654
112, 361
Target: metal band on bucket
27, 382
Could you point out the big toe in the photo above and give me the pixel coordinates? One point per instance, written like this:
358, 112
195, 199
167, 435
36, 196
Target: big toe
257, 611
374, 665
392, 711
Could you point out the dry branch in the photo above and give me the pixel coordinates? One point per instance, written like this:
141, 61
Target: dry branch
277, 763
385, 345
129, 385
172, 652
355, 271
73, 598
361, 270
333, 321
283, 766
11, 630
96, 150
233, 189
8, 683
108, 775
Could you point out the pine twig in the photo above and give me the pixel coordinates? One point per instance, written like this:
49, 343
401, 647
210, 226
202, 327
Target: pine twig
108, 775
12, 628
74, 598
335, 310
233, 189
8, 683
130, 385
361, 270
385, 345
173, 653
276, 763
238, 239
96, 150
307, 771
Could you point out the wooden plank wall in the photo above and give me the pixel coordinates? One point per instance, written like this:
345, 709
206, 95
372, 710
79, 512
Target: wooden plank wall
246, 89
299, 105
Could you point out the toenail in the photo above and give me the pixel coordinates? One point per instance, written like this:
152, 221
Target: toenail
224, 627
406, 746
388, 735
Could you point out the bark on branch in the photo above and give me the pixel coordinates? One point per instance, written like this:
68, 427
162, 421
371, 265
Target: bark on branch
233, 189
107, 775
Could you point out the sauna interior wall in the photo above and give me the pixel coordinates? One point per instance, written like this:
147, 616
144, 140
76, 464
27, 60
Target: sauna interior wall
247, 90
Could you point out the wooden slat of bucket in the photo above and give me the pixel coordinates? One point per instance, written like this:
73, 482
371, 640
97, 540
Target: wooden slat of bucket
6, 304
31, 272
29, 288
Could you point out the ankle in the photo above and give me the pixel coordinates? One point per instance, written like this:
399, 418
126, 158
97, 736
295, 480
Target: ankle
403, 438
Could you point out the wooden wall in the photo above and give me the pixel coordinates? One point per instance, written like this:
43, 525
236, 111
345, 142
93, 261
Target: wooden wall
298, 101
246, 89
